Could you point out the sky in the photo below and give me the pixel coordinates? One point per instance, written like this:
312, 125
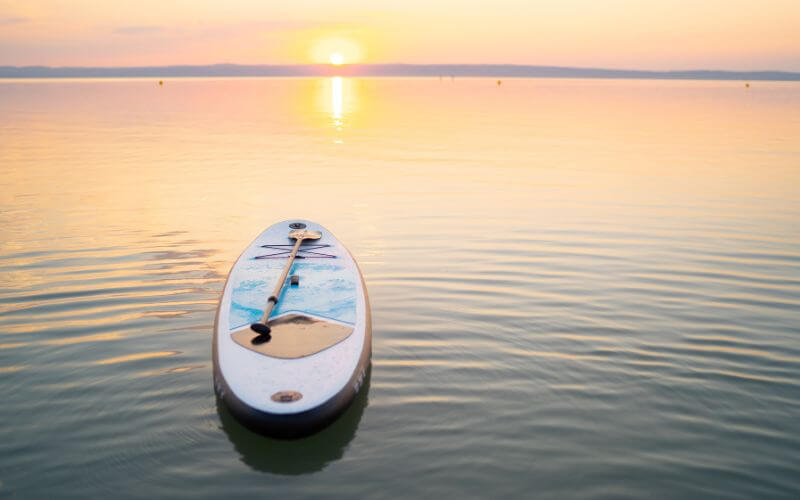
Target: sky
621, 34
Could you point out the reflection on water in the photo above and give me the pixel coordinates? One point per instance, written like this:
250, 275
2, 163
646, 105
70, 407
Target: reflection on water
337, 96
336, 99
578, 288
336, 111
309, 454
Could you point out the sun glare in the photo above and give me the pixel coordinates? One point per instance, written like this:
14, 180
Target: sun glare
335, 50
337, 59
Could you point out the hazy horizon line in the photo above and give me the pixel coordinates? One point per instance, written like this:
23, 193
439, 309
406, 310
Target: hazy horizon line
386, 69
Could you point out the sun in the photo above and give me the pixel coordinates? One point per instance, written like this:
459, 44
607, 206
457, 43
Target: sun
337, 59
332, 49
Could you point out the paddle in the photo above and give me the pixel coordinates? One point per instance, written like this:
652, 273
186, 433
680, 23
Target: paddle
261, 326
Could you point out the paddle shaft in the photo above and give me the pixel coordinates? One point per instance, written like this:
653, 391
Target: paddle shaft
273, 299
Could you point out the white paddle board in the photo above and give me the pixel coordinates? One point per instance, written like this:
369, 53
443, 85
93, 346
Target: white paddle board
306, 372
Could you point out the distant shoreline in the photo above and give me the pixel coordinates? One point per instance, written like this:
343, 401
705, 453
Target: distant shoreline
409, 70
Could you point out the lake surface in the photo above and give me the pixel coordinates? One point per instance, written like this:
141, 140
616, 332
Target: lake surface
579, 288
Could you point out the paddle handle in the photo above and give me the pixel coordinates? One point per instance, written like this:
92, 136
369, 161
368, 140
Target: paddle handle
273, 299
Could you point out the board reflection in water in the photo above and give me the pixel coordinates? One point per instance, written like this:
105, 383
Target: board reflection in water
311, 454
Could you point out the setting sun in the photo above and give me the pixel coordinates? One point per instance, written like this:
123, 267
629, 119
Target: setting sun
337, 59
334, 49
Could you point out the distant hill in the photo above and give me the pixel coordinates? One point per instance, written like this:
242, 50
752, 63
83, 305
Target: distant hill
427, 70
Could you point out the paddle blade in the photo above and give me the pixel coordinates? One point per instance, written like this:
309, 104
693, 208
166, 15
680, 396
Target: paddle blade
305, 234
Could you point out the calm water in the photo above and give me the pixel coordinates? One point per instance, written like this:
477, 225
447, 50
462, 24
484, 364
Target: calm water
580, 289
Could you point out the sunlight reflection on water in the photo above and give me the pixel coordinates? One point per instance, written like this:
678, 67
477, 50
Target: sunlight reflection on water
588, 288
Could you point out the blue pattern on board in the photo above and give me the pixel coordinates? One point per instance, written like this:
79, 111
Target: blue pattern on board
325, 289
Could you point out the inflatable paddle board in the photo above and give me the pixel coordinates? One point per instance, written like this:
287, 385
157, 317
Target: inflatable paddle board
292, 344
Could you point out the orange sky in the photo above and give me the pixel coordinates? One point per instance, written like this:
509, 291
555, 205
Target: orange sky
679, 34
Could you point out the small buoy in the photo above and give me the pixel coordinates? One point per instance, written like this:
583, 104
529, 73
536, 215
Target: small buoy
499, 82
747, 85
161, 82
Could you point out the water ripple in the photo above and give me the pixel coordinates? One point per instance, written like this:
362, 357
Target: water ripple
570, 296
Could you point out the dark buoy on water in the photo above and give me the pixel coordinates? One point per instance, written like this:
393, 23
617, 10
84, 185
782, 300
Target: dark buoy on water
499, 83
161, 82
747, 85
